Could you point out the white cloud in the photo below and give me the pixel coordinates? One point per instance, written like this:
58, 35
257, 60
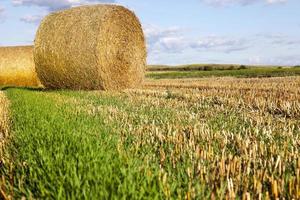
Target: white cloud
155, 33
32, 19
173, 44
276, 1
220, 44
221, 3
164, 39
2, 10
287, 41
52, 5
278, 39
175, 40
289, 60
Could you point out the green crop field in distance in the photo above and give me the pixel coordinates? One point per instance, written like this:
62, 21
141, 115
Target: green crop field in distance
240, 73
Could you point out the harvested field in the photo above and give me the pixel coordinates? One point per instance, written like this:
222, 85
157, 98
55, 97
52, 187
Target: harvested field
213, 138
275, 83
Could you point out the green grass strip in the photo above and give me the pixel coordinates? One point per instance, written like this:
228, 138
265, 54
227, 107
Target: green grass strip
57, 152
243, 73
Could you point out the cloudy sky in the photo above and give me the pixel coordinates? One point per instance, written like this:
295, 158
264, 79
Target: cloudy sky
186, 31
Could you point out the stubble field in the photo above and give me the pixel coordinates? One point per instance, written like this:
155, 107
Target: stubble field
201, 138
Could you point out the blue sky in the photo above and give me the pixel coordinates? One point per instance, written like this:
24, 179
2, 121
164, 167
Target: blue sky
190, 31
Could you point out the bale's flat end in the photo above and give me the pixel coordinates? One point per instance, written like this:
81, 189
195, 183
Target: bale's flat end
17, 67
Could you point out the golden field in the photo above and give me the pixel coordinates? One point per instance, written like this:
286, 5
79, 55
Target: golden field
208, 138
240, 136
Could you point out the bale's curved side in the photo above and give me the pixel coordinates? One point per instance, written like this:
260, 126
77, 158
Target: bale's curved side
91, 47
17, 67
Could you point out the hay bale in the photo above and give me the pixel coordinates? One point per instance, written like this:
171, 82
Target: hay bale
91, 47
17, 67
4, 122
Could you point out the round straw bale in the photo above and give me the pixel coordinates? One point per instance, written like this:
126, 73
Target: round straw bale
17, 67
4, 121
91, 47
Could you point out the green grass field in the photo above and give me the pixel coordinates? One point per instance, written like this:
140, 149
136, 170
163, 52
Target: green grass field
208, 67
247, 73
58, 151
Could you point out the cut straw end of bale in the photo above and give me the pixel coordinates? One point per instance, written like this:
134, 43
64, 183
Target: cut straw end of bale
17, 67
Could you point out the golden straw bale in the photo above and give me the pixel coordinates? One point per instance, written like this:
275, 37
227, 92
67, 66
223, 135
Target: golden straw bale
4, 122
17, 67
91, 47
